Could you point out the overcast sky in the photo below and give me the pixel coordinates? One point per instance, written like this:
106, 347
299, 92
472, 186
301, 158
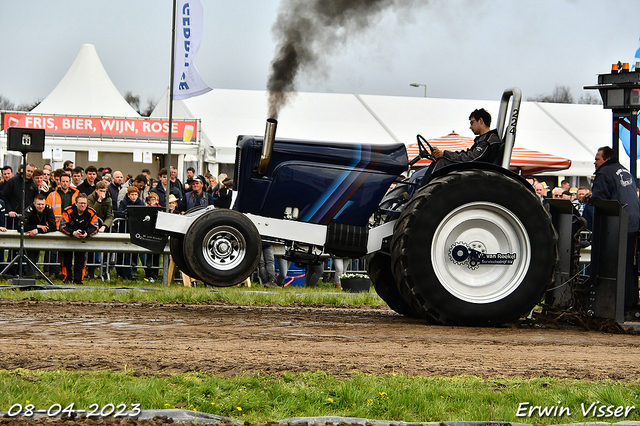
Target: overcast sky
470, 49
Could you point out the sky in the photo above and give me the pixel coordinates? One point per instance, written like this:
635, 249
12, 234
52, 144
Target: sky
460, 49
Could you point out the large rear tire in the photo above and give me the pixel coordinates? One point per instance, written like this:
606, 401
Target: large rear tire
222, 247
474, 248
379, 270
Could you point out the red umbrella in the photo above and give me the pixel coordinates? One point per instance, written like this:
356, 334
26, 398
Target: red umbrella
523, 160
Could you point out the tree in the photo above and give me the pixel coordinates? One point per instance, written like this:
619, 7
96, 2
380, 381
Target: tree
590, 99
151, 105
6, 104
28, 106
561, 95
133, 100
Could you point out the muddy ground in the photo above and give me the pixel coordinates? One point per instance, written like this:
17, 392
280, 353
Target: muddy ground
223, 339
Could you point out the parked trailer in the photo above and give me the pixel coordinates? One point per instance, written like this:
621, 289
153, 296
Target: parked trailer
471, 244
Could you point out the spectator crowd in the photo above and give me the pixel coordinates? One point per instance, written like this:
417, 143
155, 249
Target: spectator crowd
82, 202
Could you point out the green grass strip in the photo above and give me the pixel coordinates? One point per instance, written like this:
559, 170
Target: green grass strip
260, 398
324, 293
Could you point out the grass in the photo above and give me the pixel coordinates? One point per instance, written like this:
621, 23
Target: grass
260, 398
323, 293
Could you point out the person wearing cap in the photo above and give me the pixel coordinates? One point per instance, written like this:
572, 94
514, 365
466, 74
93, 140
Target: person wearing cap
196, 197
161, 188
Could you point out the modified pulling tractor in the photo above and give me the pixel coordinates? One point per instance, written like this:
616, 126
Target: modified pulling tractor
469, 245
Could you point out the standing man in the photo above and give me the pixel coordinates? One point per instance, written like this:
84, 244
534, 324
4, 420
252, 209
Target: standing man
39, 219
195, 197
89, 184
614, 182
61, 198
100, 201
139, 182
76, 177
161, 188
78, 221
117, 179
175, 181
67, 166
7, 173
12, 194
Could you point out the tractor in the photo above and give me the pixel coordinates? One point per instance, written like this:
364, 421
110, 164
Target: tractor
470, 244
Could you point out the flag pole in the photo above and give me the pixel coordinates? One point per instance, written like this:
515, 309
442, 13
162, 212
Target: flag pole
165, 275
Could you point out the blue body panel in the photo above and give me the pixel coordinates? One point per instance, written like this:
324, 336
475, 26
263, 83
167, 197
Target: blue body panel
327, 182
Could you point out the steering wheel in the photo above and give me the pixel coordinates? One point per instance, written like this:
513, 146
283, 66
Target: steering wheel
423, 153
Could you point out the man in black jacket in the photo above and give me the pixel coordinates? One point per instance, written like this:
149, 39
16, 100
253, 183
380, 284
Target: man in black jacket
78, 221
89, 184
485, 146
614, 182
39, 219
161, 188
12, 194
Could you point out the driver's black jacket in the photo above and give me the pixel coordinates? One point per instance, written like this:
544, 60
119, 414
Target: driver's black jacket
484, 148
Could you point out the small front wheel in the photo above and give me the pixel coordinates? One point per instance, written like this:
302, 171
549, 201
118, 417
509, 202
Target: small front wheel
222, 247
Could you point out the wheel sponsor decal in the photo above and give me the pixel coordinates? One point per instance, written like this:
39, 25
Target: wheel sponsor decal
473, 255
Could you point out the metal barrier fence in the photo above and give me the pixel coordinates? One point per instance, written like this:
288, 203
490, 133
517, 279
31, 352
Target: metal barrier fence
114, 246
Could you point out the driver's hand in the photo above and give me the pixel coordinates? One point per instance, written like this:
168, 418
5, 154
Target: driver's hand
437, 154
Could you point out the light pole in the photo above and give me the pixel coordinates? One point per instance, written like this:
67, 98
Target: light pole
418, 85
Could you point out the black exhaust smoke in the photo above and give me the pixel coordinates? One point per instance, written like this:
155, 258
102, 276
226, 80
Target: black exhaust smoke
307, 30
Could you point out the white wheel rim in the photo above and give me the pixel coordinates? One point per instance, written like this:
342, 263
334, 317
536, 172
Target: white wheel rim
488, 228
224, 247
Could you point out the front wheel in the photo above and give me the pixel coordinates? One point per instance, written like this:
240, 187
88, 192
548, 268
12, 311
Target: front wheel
222, 247
474, 248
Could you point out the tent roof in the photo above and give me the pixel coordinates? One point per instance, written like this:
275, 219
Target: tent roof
565, 130
86, 89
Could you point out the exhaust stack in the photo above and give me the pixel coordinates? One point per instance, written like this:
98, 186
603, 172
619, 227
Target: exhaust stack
267, 145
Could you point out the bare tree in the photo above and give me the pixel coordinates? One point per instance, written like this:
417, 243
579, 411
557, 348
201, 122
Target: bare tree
590, 99
6, 104
151, 105
561, 95
133, 100
28, 106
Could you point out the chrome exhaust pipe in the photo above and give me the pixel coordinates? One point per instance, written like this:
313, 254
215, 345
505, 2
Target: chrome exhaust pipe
267, 145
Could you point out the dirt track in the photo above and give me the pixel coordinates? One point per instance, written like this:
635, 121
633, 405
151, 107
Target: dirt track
228, 340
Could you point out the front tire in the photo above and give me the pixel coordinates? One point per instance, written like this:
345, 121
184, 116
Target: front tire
222, 247
474, 248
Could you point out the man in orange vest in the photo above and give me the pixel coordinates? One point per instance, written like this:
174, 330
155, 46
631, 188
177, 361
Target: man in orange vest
59, 199
78, 221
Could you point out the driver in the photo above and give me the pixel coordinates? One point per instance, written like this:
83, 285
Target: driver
485, 146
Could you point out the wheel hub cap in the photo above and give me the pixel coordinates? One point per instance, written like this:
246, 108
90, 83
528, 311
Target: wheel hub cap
480, 252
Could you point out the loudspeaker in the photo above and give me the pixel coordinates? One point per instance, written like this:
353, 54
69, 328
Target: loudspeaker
25, 140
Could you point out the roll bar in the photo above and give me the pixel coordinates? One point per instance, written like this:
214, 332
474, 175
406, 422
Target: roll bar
508, 135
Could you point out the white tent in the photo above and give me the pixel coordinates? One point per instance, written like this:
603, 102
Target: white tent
86, 89
566, 130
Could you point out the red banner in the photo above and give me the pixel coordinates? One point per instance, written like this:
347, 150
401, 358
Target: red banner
103, 127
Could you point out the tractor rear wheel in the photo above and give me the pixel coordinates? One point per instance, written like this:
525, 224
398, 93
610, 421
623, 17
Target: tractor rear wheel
474, 247
379, 270
222, 247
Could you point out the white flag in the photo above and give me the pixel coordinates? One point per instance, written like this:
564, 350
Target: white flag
186, 80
